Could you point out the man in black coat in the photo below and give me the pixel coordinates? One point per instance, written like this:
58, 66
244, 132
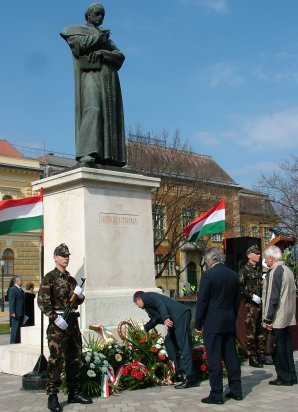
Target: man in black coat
16, 309
176, 318
216, 312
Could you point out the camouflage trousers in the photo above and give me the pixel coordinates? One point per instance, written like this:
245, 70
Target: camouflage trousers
255, 332
65, 348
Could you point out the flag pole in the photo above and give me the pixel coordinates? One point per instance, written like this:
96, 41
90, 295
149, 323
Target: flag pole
37, 378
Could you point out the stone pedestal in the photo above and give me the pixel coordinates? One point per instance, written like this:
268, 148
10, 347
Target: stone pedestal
105, 218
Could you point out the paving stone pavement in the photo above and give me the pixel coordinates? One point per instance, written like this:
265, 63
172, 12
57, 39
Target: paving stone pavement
258, 397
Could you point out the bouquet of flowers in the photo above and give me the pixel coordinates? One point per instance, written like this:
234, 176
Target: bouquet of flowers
199, 356
148, 349
135, 376
95, 366
116, 354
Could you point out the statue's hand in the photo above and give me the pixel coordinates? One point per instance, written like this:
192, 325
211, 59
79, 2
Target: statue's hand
106, 33
95, 57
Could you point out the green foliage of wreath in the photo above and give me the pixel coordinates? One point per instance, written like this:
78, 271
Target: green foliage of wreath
160, 373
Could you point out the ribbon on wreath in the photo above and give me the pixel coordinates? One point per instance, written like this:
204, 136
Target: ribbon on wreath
103, 331
105, 391
113, 378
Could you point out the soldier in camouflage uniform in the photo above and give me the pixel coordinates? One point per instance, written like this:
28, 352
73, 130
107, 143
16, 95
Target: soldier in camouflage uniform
64, 337
251, 290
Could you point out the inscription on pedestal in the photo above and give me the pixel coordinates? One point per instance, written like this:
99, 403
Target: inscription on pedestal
115, 219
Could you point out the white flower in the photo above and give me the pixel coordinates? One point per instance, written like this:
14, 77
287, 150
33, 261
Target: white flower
160, 341
91, 373
158, 346
104, 369
105, 362
163, 352
92, 366
87, 359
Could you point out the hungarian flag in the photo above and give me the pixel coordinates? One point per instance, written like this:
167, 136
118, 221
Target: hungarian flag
21, 215
209, 223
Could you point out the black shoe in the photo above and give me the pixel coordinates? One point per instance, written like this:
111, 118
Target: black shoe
294, 381
53, 404
279, 382
178, 377
265, 361
210, 400
231, 395
268, 362
187, 383
77, 397
254, 363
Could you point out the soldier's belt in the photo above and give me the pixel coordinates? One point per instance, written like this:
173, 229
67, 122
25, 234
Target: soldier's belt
61, 311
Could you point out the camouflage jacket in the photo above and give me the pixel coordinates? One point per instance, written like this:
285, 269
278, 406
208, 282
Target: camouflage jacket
55, 291
250, 281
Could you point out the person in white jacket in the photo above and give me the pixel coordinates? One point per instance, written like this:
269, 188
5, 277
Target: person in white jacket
279, 310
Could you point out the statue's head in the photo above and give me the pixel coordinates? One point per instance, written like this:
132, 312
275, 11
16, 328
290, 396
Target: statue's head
95, 14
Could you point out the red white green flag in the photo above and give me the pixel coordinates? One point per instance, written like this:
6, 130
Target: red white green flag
209, 223
21, 215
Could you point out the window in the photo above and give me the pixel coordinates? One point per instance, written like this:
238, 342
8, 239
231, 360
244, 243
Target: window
158, 263
171, 267
217, 237
188, 215
8, 256
255, 231
267, 234
158, 215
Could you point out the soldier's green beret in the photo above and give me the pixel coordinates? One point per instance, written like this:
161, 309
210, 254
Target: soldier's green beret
253, 249
61, 250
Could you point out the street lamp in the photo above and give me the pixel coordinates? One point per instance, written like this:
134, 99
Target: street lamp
2, 263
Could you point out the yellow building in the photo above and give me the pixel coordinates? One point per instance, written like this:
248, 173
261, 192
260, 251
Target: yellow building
20, 251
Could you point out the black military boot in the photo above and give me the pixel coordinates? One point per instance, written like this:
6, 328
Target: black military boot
254, 362
53, 403
78, 397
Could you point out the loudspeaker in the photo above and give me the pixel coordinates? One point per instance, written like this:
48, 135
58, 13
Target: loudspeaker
236, 248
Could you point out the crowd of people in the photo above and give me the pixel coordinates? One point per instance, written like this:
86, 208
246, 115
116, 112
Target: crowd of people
269, 306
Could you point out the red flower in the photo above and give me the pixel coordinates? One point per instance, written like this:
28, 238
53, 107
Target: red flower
139, 375
201, 349
195, 357
144, 339
153, 349
152, 336
124, 371
204, 356
162, 357
203, 368
133, 372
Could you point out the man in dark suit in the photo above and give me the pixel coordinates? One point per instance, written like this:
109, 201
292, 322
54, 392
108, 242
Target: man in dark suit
16, 309
176, 318
216, 311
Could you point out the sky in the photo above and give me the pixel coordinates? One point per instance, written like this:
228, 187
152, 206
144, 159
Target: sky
223, 72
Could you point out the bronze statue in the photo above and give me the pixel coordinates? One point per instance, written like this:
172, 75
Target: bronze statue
100, 137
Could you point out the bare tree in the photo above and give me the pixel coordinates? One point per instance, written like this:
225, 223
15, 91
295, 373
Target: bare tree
184, 191
282, 190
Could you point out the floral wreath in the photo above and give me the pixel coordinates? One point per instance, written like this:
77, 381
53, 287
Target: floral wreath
122, 329
166, 373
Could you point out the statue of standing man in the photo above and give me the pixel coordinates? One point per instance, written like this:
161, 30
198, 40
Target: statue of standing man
100, 137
